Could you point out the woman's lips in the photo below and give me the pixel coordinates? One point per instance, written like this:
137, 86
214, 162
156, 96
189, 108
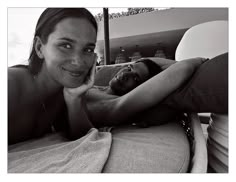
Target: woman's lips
74, 73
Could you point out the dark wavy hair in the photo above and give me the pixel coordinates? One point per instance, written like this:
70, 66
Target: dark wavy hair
153, 68
46, 25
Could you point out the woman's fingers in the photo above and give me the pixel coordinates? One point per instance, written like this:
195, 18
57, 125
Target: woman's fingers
91, 74
76, 92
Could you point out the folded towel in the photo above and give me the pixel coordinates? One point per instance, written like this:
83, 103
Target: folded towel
53, 154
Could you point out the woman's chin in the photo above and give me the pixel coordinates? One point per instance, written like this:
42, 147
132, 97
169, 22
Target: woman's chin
73, 84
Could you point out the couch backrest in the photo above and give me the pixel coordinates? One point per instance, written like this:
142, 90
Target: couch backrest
106, 73
204, 40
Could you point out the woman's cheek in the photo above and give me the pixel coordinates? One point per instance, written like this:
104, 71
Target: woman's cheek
90, 60
86, 76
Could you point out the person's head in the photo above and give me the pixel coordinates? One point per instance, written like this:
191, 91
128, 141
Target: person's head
133, 75
64, 41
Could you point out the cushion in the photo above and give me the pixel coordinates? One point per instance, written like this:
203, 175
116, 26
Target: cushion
204, 40
207, 89
157, 149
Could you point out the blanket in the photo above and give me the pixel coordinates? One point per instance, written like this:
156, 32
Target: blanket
54, 154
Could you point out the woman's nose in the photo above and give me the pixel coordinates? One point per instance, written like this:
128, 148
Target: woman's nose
77, 59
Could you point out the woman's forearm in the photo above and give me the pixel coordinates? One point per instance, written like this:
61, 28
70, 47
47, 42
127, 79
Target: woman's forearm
162, 62
79, 123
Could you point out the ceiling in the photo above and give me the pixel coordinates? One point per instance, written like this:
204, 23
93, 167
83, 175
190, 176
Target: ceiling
147, 43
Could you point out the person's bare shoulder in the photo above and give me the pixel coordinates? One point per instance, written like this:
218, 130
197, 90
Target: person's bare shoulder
18, 84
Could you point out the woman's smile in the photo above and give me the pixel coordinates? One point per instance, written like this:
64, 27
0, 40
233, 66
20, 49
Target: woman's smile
73, 72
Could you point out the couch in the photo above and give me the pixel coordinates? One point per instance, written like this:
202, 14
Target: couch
204, 40
176, 146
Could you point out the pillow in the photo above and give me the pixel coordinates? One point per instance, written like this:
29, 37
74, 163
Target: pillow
207, 89
157, 149
204, 40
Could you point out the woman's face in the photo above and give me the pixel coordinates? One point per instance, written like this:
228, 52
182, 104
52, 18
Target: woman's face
69, 51
129, 77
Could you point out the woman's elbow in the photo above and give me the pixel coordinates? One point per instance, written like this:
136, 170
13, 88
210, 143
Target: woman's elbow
190, 65
187, 69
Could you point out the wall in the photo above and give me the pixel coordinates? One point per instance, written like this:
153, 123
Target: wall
164, 20
128, 30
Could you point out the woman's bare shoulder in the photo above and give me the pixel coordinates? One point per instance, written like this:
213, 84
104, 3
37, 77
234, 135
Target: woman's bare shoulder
19, 81
19, 76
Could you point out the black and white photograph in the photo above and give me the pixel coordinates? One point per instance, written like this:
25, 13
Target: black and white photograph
118, 90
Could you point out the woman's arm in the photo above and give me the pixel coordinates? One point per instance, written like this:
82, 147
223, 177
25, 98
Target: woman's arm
14, 97
79, 123
155, 89
162, 62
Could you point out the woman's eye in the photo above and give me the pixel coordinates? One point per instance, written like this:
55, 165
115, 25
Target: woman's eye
66, 46
89, 50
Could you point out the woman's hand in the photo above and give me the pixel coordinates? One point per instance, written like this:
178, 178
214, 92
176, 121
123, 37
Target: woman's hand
193, 63
165, 63
79, 123
73, 93
198, 60
161, 62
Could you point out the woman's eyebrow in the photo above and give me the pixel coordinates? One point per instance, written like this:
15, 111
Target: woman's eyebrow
67, 39
74, 41
91, 44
